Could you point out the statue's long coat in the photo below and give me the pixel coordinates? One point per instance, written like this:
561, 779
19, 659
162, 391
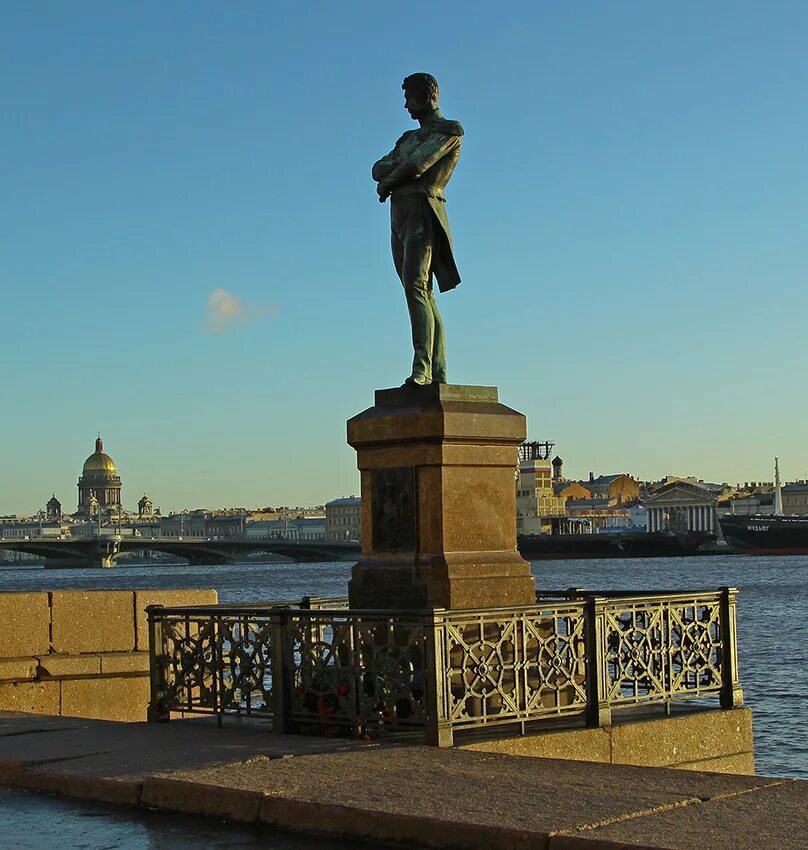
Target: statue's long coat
428, 156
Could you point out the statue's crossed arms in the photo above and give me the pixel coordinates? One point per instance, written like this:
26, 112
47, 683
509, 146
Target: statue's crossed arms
415, 153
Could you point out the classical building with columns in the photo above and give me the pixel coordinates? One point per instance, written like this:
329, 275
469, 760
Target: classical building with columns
683, 506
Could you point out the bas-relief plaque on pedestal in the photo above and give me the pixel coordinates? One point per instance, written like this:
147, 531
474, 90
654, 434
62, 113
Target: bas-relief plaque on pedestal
393, 510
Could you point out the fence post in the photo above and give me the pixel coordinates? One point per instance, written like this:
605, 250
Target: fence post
598, 711
217, 679
438, 725
157, 711
282, 672
731, 692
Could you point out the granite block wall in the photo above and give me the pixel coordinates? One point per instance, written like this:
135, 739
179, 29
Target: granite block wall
81, 653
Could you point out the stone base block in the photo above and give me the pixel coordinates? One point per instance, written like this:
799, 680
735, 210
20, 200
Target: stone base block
113, 663
25, 619
716, 741
569, 744
740, 763
123, 698
92, 621
17, 669
30, 697
686, 738
56, 666
455, 581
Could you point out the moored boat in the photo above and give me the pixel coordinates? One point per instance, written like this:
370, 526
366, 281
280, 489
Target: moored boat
773, 534
766, 535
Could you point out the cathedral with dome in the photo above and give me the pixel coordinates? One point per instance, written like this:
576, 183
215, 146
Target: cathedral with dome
100, 484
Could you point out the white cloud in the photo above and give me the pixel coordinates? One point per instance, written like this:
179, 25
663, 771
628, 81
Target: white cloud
225, 311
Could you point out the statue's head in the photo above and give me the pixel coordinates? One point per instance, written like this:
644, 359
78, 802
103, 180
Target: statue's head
420, 94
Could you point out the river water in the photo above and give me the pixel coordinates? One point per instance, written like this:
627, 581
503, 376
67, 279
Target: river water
39, 821
772, 616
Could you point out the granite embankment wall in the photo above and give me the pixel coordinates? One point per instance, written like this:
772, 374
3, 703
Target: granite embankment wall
81, 653
718, 741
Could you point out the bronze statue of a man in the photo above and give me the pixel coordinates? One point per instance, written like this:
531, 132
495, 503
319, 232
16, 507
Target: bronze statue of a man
413, 175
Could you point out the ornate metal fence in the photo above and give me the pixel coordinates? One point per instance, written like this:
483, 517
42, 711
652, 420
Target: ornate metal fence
317, 667
509, 665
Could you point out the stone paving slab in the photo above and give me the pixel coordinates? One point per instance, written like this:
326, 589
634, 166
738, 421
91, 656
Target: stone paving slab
440, 797
398, 793
772, 817
136, 750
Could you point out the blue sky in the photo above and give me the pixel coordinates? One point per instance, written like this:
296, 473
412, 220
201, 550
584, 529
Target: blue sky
629, 216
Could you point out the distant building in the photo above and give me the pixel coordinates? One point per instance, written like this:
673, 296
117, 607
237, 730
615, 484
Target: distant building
298, 528
145, 507
225, 526
53, 509
633, 519
564, 488
538, 509
99, 484
343, 519
795, 498
567, 490
24, 529
748, 504
617, 488
184, 524
265, 513
638, 517
684, 505
595, 515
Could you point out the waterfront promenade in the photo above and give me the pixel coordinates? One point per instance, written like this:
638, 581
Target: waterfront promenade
399, 794
772, 606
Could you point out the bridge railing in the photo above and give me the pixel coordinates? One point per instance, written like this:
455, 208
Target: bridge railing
325, 669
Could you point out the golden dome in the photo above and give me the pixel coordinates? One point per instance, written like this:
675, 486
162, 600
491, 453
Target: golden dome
99, 461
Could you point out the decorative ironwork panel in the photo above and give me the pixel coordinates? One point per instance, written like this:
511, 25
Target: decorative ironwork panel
503, 667
659, 649
361, 672
695, 651
217, 663
189, 664
245, 649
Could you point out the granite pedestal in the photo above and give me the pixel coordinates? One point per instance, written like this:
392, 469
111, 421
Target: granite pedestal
438, 467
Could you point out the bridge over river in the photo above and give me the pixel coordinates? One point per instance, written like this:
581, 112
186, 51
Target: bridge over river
104, 550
